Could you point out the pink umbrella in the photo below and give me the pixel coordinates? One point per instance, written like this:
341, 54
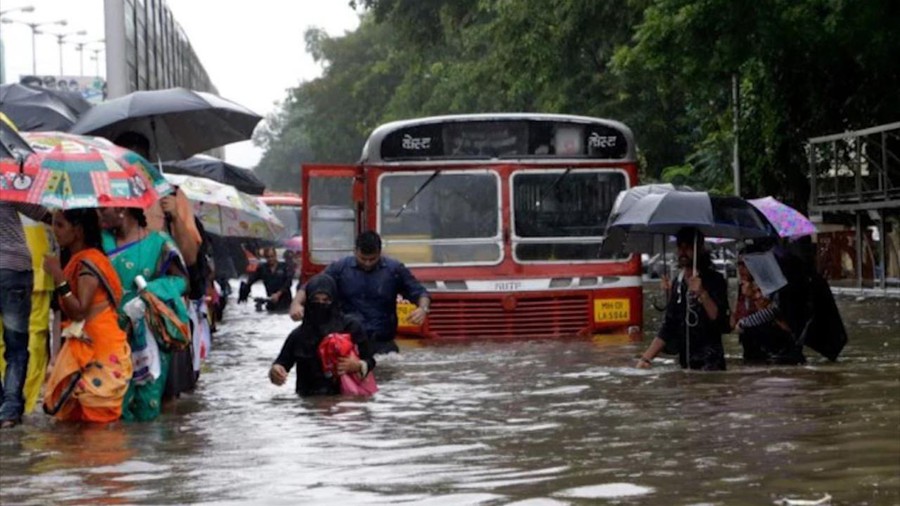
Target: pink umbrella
294, 243
788, 221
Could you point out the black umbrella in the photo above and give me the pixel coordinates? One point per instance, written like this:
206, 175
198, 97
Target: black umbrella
210, 167
12, 145
35, 109
667, 213
74, 101
714, 216
619, 240
178, 122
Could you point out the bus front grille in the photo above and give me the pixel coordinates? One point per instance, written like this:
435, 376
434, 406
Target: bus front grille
457, 318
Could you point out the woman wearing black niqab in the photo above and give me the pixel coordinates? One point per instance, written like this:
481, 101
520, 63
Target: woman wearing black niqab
323, 316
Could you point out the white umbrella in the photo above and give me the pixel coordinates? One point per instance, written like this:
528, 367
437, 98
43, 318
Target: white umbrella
225, 211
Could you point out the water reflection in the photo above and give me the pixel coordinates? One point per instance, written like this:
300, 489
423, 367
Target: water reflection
521, 422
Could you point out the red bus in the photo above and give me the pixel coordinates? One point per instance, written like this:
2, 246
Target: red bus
288, 207
500, 216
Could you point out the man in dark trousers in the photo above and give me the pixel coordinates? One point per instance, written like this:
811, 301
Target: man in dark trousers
277, 276
697, 310
368, 284
16, 284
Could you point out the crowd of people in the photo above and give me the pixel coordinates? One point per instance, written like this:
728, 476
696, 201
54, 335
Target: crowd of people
119, 288
134, 323
782, 304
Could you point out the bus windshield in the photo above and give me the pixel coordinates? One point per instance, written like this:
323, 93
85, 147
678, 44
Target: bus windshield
561, 214
454, 219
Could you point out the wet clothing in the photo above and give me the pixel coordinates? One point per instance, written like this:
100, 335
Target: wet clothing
302, 345
198, 272
371, 296
222, 252
14, 254
17, 282
276, 279
150, 257
807, 306
15, 310
705, 335
39, 237
766, 339
770, 344
91, 373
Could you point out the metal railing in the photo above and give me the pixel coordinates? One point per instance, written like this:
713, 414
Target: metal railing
855, 170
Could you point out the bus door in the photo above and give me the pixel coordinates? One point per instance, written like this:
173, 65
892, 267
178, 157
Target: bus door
334, 198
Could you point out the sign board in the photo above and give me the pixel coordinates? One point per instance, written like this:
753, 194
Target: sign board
92, 88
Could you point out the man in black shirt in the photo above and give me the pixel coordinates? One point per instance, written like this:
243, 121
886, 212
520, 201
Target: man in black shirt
277, 276
697, 310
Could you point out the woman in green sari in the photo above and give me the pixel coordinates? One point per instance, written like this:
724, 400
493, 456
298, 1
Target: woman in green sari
135, 253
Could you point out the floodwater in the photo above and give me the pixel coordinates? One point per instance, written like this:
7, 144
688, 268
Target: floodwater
522, 422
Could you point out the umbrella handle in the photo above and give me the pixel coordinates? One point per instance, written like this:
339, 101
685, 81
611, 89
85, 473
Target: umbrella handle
687, 312
21, 159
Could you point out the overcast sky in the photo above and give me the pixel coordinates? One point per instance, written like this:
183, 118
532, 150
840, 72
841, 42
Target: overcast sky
253, 51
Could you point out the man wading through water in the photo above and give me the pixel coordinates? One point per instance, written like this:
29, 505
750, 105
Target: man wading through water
696, 312
367, 285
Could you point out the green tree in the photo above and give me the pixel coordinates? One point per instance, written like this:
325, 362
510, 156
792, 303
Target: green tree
664, 67
806, 68
286, 146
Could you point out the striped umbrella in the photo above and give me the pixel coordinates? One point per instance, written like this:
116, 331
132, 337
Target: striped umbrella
73, 171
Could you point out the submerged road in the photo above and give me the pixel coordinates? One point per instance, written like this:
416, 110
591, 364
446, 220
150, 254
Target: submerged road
524, 422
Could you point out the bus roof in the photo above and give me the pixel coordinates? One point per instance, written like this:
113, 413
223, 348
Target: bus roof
282, 199
500, 136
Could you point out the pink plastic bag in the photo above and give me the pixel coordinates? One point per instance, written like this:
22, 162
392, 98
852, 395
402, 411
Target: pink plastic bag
335, 346
351, 384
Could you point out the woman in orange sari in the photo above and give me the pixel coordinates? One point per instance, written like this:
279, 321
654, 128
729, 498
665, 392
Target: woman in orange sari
89, 376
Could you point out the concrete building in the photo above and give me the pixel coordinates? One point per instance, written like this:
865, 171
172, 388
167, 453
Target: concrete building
146, 49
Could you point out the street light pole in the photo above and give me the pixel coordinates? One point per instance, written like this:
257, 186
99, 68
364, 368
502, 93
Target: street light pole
60, 39
24, 8
34, 32
96, 59
736, 117
80, 48
33, 49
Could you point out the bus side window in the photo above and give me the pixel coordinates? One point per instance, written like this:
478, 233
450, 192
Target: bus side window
332, 232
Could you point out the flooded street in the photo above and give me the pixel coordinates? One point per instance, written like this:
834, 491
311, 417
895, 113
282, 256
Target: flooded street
526, 422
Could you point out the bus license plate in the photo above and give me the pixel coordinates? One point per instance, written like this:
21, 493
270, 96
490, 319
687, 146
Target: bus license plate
404, 309
612, 310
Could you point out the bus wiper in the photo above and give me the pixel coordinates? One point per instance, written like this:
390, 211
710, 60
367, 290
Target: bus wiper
418, 191
556, 181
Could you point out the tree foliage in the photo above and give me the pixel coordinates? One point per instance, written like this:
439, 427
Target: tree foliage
664, 67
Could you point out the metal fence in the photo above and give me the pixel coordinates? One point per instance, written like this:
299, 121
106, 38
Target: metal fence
855, 170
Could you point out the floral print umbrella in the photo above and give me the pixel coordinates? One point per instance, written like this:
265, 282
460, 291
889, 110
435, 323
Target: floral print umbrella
788, 221
73, 171
225, 211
